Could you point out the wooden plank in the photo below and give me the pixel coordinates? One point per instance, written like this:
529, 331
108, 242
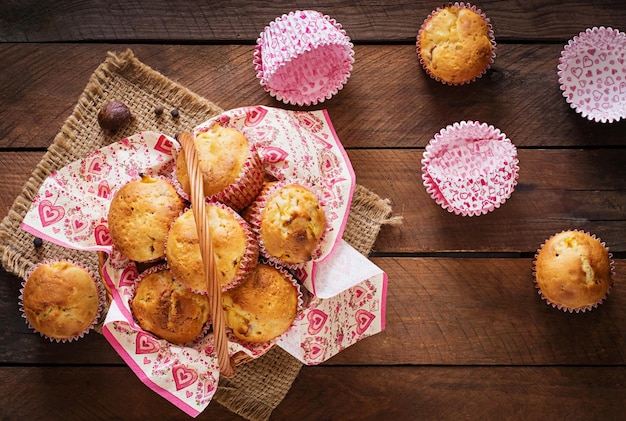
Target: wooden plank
240, 21
541, 205
557, 190
80, 393
388, 101
337, 393
462, 311
440, 311
439, 393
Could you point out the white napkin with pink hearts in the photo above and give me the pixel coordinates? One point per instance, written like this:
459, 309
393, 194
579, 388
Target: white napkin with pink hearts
71, 210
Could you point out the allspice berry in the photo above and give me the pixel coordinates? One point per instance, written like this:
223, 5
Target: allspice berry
114, 115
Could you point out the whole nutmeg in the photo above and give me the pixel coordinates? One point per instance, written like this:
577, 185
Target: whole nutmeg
114, 115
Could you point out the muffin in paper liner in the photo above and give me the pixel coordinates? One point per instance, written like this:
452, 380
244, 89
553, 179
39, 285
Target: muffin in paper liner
265, 317
456, 44
592, 74
235, 246
140, 214
148, 317
573, 271
470, 168
237, 194
303, 58
61, 299
288, 235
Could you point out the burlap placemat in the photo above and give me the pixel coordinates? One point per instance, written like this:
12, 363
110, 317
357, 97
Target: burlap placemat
260, 385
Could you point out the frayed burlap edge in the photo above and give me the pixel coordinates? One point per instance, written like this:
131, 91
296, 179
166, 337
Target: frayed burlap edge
260, 385
81, 134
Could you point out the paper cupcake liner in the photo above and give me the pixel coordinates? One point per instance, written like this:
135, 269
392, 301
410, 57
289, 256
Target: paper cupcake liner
470, 168
248, 261
206, 329
565, 308
253, 215
303, 58
490, 35
242, 191
99, 312
592, 74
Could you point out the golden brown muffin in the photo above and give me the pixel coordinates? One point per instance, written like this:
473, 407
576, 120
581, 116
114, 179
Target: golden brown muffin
140, 215
573, 270
455, 45
235, 248
222, 154
166, 308
61, 300
263, 307
289, 220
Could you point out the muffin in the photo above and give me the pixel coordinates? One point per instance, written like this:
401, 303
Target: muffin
61, 300
264, 306
455, 44
235, 248
231, 169
140, 215
163, 306
573, 271
290, 222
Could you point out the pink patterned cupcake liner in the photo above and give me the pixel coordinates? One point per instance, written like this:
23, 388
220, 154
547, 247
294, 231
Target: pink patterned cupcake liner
470, 168
490, 35
303, 58
592, 74
565, 308
101, 300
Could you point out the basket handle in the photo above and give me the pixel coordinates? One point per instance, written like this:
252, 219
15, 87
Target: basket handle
208, 259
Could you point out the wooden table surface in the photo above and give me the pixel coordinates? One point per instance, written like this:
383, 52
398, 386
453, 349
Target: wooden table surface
467, 335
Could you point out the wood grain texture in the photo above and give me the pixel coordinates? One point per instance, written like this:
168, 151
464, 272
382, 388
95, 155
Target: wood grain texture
557, 190
388, 101
440, 311
241, 21
467, 336
335, 393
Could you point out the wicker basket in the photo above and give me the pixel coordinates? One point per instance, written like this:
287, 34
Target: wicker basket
227, 367
226, 364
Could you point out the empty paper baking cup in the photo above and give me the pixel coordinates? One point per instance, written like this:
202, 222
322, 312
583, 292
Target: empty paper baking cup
470, 168
303, 58
592, 74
